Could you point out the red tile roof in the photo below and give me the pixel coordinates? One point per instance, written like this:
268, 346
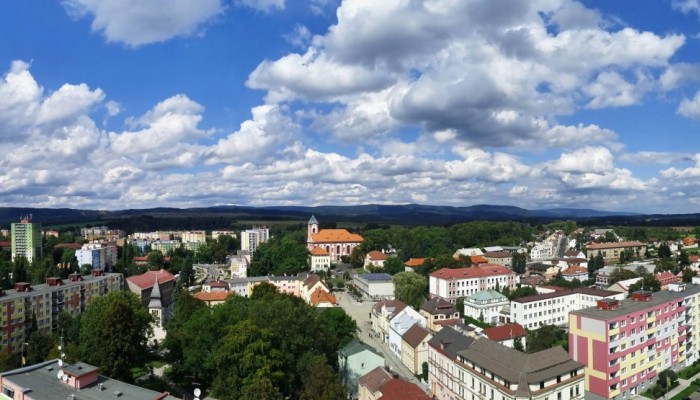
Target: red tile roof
5, 244
213, 296
505, 332
217, 284
74, 246
336, 236
574, 270
483, 270
555, 288
321, 296
376, 256
148, 278
415, 262
446, 322
666, 277
694, 258
317, 251
478, 260
398, 389
375, 379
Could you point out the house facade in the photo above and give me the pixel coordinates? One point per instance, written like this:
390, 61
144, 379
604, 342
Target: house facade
319, 259
414, 348
485, 306
375, 285
443, 373
450, 284
355, 360
611, 251
438, 312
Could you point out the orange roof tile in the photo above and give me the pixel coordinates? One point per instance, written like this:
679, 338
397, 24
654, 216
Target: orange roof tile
600, 246
317, 251
212, 296
335, 236
398, 389
478, 259
320, 296
666, 277
415, 262
574, 270
376, 256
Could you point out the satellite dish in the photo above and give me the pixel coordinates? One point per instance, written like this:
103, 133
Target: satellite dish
63, 355
65, 378
60, 375
60, 363
59, 347
197, 392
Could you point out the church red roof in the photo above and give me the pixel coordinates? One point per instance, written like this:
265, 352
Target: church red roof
146, 280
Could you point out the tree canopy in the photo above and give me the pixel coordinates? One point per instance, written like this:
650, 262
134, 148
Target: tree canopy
279, 256
410, 288
114, 331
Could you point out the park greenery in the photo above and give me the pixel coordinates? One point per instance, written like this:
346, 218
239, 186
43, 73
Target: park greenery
258, 347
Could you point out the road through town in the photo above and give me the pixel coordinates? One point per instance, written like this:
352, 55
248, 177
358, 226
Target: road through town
360, 312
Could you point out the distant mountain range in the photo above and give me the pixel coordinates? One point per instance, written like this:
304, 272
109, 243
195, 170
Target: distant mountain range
408, 214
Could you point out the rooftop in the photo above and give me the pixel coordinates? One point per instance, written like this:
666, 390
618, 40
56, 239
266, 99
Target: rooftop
438, 305
375, 277
628, 306
483, 270
567, 292
398, 389
42, 382
335, 236
450, 342
505, 332
415, 262
374, 379
213, 296
615, 245
415, 334
317, 251
485, 295
376, 256
148, 278
356, 347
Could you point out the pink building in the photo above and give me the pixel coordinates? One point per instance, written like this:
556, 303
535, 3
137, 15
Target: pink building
625, 344
443, 373
337, 242
451, 284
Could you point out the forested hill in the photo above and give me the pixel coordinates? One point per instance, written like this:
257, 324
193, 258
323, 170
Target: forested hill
409, 214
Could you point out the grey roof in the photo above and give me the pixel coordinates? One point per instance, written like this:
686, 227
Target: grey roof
566, 292
513, 365
438, 305
356, 347
78, 368
628, 306
450, 342
42, 382
65, 283
313, 220
155, 301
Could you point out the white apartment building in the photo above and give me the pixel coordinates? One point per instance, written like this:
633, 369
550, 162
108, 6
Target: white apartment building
252, 238
194, 236
542, 251
99, 255
451, 284
166, 246
485, 306
490, 370
215, 234
553, 308
239, 264
443, 373
398, 325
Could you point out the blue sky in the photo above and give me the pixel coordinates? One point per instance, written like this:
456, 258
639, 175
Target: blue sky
109, 104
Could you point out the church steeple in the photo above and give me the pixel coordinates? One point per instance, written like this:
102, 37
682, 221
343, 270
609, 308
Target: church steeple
155, 305
312, 229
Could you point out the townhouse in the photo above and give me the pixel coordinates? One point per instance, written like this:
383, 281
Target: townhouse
450, 284
489, 370
443, 374
625, 344
485, 306
553, 308
439, 313
414, 348
398, 325
612, 251
382, 313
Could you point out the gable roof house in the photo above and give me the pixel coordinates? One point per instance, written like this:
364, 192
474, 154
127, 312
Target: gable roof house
443, 348
414, 348
355, 360
438, 312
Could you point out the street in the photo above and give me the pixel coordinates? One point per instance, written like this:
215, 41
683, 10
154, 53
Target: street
360, 313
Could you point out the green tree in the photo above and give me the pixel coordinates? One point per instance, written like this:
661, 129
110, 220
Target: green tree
520, 291
544, 338
519, 262
113, 334
260, 388
622, 274
7, 360
648, 282
518, 344
320, 382
38, 348
251, 349
156, 260
688, 275
339, 325
410, 288
357, 257
459, 305
393, 265
664, 251
683, 259
279, 257
665, 376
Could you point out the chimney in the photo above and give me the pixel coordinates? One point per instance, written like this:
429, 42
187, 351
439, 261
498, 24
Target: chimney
676, 287
607, 304
23, 287
53, 281
641, 295
98, 272
75, 277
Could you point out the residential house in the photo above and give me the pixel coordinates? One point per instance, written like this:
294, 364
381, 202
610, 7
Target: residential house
355, 360
322, 299
572, 253
375, 285
553, 308
412, 264
240, 264
450, 284
443, 375
414, 348
56, 380
499, 257
665, 278
507, 334
485, 306
337, 242
287, 284
573, 272
490, 370
468, 253
375, 259
309, 285
382, 313
611, 251
213, 298
438, 313
602, 278
623, 286
546, 270
542, 251
370, 383
319, 259
625, 344
399, 325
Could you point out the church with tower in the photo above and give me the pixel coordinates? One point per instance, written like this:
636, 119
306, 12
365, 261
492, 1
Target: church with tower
335, 242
